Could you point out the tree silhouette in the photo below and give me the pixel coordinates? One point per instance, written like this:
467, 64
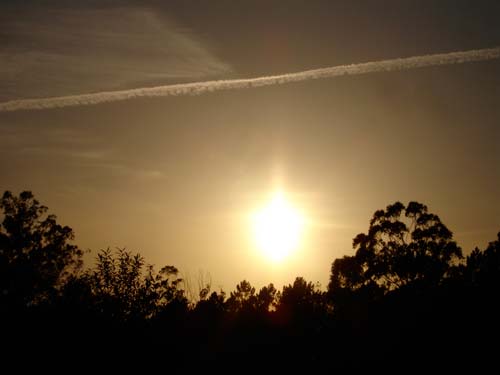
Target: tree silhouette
483, 267
212, 305
300, 295
243, 298
36, 257
267, 298
480, 301
400, 289
403, 246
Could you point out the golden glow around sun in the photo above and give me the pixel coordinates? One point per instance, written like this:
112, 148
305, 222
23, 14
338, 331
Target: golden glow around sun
277, 228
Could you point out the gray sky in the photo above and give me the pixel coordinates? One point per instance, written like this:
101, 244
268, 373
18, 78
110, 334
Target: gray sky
175, 178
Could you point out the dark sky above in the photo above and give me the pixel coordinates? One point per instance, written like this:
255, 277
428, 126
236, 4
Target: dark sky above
175, 178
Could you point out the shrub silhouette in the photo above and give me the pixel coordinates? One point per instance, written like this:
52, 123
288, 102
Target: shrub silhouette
124, 288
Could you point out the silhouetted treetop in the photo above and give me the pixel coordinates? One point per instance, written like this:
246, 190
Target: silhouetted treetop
267, 298
483, 267
404, 245
242, 298
300, 293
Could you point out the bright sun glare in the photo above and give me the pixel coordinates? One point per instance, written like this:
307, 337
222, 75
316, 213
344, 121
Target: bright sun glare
277, 228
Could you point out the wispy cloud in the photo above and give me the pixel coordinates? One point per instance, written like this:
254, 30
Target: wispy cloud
103, 159
197, 88
87, 155
117, 168
71, 148
62, 51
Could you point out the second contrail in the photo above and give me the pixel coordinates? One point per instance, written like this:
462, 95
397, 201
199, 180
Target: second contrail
197, 88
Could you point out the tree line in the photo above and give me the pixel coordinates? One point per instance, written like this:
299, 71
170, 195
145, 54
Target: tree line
407, 297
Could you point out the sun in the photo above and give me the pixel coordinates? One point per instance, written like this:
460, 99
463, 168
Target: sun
277, 228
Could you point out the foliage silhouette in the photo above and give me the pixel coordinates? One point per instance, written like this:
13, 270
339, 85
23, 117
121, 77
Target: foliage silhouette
36, 257
123, 287
243, 298
403, 246
483, 267
267, 298
301, 298
407, 296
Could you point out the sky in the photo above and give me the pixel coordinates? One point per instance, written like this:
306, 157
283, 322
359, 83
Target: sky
177, 178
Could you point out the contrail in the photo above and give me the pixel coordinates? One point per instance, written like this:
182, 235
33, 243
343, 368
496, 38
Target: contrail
197, 88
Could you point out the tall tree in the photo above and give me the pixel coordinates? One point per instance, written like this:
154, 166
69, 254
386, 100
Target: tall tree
36, 256
403, 246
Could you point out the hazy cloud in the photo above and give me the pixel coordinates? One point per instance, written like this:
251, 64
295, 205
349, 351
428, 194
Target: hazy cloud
197, 88
61, 51
104, 159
